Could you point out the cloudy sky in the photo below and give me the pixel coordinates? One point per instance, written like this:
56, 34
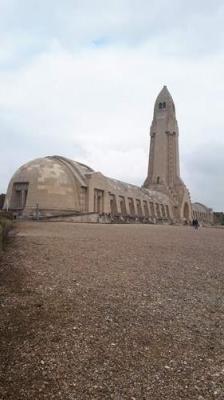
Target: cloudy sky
79, 79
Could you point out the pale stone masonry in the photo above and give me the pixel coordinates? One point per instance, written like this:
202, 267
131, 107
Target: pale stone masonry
57, 186
164, 168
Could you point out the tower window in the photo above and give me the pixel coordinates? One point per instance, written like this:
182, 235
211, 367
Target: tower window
162, 105
157, 179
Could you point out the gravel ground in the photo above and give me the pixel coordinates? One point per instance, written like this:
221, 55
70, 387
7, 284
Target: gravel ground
112, 312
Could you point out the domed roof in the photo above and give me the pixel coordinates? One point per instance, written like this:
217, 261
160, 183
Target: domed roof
199, 207
78, 169
52, 182
52, 167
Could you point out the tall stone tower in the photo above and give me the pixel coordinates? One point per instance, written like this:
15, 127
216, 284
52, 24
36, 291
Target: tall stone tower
164, 168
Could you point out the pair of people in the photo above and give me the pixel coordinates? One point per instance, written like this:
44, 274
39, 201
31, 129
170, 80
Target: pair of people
195, 223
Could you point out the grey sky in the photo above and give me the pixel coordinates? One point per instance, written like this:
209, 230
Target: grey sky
79, 78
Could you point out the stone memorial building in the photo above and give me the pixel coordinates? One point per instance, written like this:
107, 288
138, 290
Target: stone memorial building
55, 186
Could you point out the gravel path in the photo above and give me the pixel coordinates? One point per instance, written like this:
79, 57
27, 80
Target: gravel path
112, 312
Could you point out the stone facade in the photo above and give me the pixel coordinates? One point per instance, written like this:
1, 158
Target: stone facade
57, 187
164, 168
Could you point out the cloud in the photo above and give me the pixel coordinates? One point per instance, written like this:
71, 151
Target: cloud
205, 173
80, 79
78, 23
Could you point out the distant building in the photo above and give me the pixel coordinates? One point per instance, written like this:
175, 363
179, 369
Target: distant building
57, 186
219, 218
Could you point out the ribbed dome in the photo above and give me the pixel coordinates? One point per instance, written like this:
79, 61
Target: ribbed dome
50, 182
199, 207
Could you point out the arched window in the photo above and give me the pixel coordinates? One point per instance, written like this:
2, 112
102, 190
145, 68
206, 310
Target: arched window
164, 104
160, 106
157, 179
